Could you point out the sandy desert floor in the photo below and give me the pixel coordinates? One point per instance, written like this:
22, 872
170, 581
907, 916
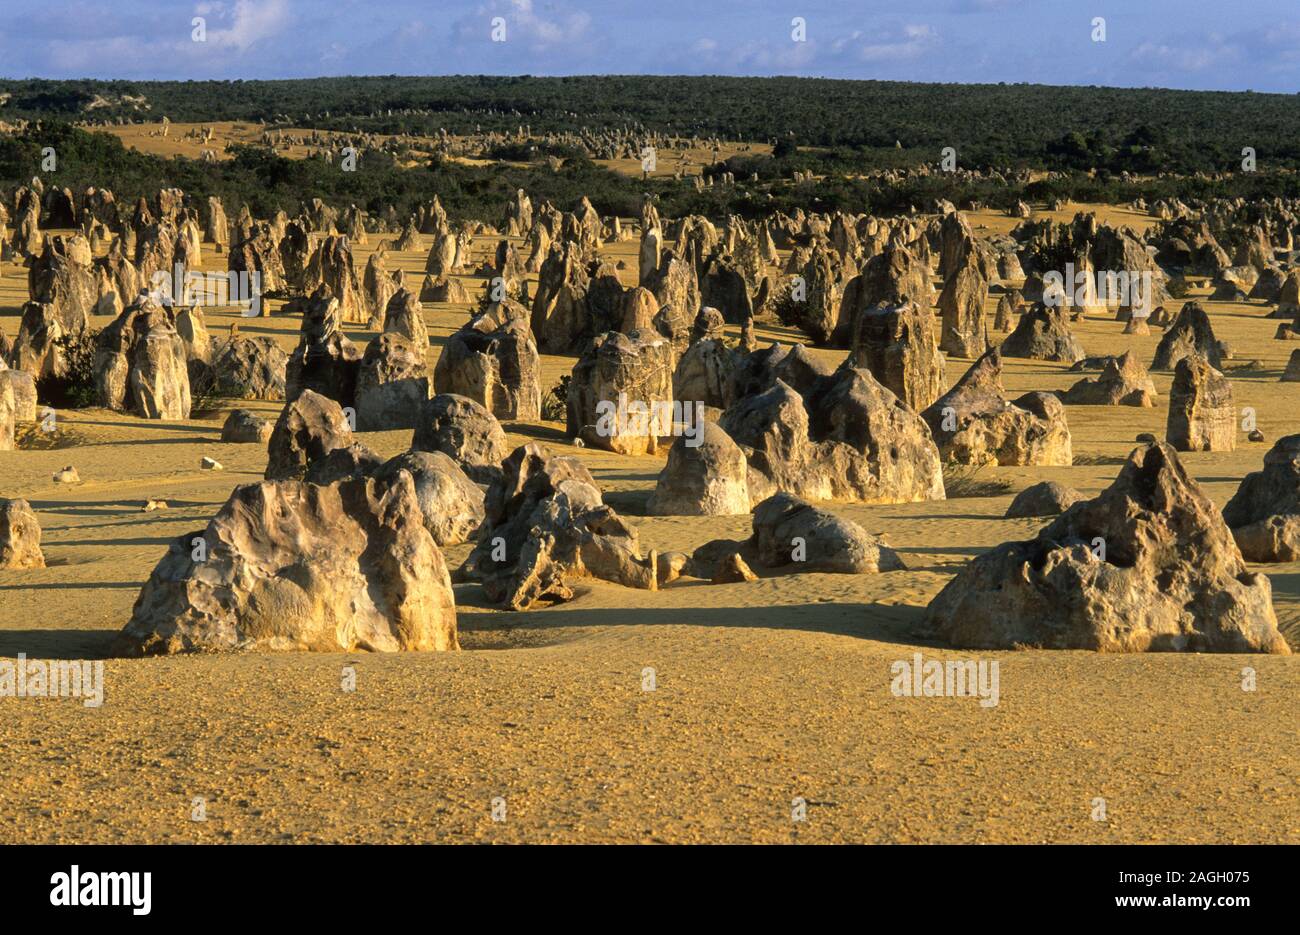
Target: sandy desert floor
183, 139
765, 691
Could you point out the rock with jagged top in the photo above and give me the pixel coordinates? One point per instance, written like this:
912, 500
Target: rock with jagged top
404, 316
1149, 565
974, 423
37, 348
620, 395
288, 565
331, 266
546, 525
1043, 333
447, 289
1201, 412
1190, 334
1264, 513
141, 364
1007, 310
325, 360
392, 384
894, 277
308, 429
377, 288
1123, 382
896, 343
63, 276
837, 436
493, 360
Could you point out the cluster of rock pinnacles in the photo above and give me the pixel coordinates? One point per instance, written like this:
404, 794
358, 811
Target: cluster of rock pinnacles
338, 548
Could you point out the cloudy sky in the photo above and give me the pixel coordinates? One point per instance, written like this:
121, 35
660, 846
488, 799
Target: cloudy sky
1236, 45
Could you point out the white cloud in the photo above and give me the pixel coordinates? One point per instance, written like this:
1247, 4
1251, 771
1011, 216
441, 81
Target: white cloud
252, 22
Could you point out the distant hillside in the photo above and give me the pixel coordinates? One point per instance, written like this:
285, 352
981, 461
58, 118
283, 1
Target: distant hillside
1138, 130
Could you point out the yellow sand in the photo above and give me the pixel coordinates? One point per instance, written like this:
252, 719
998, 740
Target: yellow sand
765, 691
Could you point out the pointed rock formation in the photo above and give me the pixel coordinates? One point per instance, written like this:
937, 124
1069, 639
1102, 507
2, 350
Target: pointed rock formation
1043, 333
705, 476
1123, 382
973, 423
1190, 334
961, 309
308, 429
1149, 565
1264, 513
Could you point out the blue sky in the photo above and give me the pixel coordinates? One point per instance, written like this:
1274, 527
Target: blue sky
1234, 45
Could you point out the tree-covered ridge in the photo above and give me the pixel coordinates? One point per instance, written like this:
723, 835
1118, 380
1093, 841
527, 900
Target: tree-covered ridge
1139, 130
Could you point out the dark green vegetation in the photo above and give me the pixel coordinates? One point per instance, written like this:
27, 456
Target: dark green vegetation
836, 129
75, 389
1140, 130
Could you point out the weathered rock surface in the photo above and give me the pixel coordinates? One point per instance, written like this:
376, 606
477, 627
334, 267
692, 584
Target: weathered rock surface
308, 429
1046, 498
294, 566
844, 437
1190, 334
1264, 513
452, 504
463, 429
1201, 412
705, 476
961, 309
20, 536
244, 427
546, 525
973, 423
142, 364
896, 343
1123, 382
620, 395
325, 360
1171, 578
493, 360
392, 384
1043, 333
795, 536
250, 368
23, 387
